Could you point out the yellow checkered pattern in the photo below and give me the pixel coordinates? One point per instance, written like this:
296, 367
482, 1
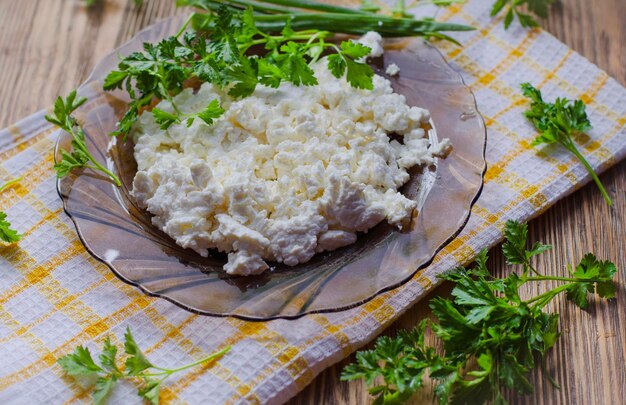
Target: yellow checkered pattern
55, 296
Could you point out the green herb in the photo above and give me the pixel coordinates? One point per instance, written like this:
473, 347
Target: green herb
79, 157
559, 122
515, 9
491, 337
80, 364
220, 57
7, 234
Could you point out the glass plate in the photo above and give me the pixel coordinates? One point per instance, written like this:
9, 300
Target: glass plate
116, 232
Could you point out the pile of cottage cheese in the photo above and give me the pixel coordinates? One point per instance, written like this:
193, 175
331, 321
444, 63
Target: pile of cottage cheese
284, 173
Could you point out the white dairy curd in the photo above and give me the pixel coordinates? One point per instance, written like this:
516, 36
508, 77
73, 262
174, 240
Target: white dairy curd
284, 173
392, 70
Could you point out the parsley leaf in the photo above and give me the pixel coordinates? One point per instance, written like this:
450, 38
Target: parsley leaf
593, 275
359, 74
81, 364
558, 122
150, 391
7, 234
163, 118
107, 357
514, 248
491, 338
137, 362
212, 112
104, 387
244, 77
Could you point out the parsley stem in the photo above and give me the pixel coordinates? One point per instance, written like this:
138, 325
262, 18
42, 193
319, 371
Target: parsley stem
195, 363
542, 300
185, 25
82, 146
572, 148
10, 183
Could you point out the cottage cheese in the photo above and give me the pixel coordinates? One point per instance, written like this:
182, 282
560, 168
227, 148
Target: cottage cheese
284, 173
392, 70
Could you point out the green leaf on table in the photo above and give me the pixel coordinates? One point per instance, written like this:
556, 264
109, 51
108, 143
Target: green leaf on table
594, 276
79, 363
137, 362
150, 391
491, 338
102, 390
107, 357
7, 234
514, 248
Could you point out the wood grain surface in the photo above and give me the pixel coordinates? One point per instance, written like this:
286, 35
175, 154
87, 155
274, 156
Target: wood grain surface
48, 47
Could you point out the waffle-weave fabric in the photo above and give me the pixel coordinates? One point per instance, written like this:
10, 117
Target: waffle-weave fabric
55, 296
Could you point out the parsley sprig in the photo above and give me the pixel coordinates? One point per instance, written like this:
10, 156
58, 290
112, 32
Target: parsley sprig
8, 234
491, 337
104, 376
515, 8
559, 122
79, 157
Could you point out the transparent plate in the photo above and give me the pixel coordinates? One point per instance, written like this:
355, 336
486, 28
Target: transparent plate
116, 232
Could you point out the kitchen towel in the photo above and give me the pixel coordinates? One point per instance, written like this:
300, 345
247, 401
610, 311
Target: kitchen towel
55, 296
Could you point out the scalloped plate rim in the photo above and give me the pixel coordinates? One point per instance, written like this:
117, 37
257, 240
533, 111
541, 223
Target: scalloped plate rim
273, 317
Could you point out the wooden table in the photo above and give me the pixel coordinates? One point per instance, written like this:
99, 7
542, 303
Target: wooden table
47, 47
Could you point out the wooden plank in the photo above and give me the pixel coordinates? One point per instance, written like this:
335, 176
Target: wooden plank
48, 47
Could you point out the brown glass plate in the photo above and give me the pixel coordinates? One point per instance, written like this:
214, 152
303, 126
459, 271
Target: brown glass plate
116, 232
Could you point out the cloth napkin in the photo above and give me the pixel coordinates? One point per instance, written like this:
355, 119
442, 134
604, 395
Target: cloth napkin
55, 296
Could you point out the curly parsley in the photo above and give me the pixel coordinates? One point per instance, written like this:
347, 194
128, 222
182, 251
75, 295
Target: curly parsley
492, 338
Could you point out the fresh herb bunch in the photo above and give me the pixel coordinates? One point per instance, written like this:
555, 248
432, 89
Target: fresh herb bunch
105, 375
79, 157
559, 122
219, 49
515, 8
7, 234
491, 337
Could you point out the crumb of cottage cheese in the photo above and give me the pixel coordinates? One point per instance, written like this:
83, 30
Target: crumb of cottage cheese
284, 173
374, 41
392, 70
